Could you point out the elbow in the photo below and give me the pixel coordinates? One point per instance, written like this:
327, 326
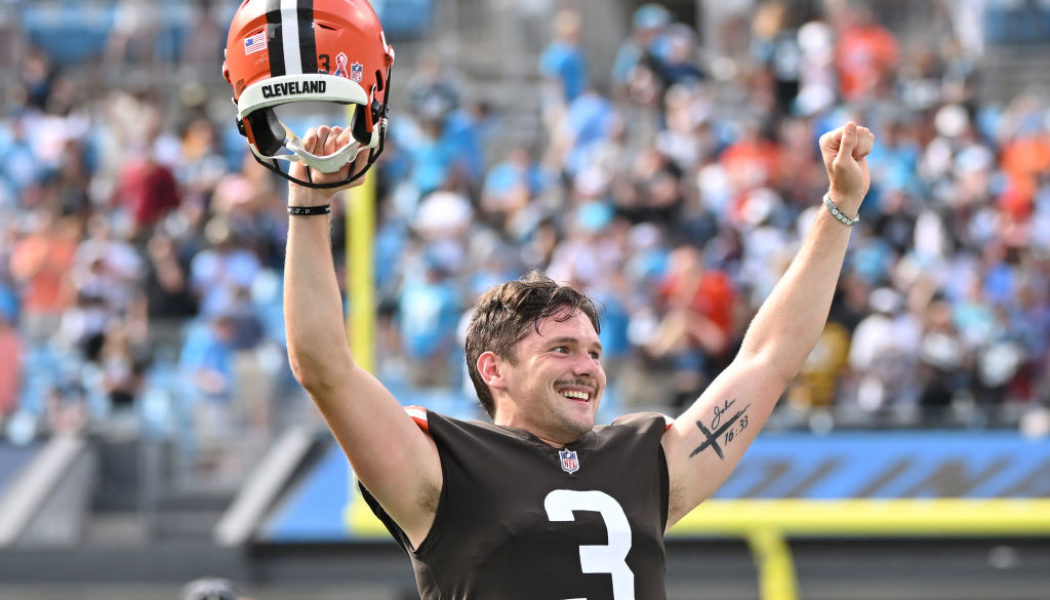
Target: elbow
301, 370
317, 372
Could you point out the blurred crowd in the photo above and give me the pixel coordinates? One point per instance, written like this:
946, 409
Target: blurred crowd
141, 248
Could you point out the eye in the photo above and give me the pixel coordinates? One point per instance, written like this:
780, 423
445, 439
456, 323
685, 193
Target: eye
561, 349
595, 355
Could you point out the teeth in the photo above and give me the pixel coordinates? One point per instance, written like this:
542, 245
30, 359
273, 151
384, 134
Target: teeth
576, 395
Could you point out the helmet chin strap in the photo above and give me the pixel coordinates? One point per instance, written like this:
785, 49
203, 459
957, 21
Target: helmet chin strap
329, 163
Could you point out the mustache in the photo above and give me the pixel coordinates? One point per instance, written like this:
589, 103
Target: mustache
583, 383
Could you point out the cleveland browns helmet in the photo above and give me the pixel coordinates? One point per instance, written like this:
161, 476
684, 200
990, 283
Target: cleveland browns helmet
280, 52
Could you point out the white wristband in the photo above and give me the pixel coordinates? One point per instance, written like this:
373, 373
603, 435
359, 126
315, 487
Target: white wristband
838, 214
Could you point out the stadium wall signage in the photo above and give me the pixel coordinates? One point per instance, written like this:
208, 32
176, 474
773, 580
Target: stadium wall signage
840, 483
892, 466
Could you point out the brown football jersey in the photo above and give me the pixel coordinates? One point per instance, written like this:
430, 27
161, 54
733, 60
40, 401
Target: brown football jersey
519, 519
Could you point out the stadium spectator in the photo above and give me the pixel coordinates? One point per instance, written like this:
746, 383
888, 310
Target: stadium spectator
752, 161
679, 66
146, 189
817, 76
222, 273
696, 326
134, 34
563, 65
867, 54
121, 364
775, 45
40, 264
884, 352
429, 306
206, 366
511, 188
201, 165
943, 364
37, 75
206, 36
11, 366
166, 296
645, 44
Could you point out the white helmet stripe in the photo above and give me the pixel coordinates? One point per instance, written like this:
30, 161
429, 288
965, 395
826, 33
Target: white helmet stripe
293, 63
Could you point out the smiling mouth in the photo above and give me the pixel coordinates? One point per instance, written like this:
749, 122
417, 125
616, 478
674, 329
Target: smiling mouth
577, 395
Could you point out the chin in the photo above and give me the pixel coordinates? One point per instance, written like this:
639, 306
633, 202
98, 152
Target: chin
581, 426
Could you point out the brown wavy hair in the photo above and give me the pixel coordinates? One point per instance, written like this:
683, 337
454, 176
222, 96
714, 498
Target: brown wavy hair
505, 314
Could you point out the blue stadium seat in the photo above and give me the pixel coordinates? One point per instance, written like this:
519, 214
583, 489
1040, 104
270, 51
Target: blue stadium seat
69, 32
404, 18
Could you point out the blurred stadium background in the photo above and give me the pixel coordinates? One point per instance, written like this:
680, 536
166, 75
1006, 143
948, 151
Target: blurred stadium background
662, 157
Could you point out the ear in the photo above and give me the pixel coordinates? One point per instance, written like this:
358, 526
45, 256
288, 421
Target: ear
490, 366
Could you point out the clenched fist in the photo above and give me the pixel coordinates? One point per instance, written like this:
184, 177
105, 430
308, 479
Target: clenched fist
845, 152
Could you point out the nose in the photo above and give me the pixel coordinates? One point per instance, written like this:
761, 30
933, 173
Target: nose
586, 365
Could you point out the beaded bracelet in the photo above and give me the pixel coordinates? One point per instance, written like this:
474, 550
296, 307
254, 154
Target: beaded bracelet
838, 214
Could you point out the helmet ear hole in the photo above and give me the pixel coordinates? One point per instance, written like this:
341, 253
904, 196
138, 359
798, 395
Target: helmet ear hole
266, 131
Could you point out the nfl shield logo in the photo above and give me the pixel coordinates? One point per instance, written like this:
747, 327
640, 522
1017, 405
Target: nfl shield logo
569, 462
357, 72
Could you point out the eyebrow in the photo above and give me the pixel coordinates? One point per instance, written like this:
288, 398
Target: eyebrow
571, 340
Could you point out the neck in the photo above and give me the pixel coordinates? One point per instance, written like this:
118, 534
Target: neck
550, 441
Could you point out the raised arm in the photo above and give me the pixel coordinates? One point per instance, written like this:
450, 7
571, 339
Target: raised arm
393, 458
707, 441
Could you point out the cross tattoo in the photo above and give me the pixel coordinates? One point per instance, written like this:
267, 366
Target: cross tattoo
712, 438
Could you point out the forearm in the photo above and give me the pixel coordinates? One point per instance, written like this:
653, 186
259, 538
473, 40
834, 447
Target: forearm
317, 343
791, 319
707, 440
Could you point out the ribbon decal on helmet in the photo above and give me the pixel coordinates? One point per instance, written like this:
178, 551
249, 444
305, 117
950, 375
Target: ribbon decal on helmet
340, 65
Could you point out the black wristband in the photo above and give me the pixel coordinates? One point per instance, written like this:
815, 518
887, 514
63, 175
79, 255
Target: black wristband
307, 211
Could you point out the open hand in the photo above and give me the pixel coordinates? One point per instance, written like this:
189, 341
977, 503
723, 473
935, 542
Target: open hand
845, 152
323, 140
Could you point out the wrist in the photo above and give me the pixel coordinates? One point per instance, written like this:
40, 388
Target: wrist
848, 219
303, 196
309, 211
847, 202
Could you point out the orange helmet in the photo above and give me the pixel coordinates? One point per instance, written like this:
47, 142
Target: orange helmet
285, 51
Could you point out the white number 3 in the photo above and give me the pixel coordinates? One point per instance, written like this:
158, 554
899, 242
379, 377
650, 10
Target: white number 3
611, 558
